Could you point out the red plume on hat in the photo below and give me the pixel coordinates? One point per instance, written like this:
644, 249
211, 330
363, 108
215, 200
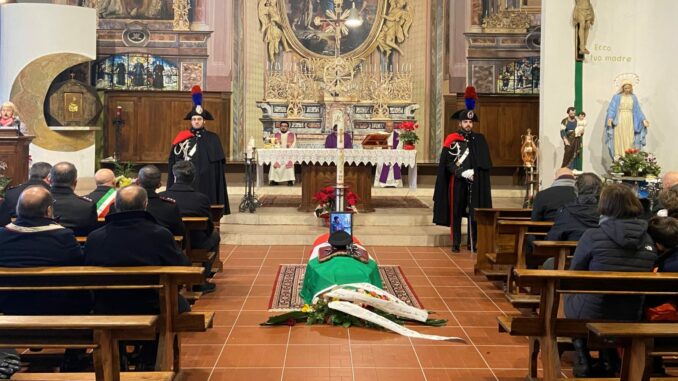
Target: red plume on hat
198, 110
451, 138
470, 97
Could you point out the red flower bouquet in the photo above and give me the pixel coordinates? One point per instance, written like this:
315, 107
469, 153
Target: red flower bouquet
326, 201
407, 134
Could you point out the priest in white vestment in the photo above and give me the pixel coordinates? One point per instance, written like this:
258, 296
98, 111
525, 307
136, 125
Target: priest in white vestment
281, 172
389, 175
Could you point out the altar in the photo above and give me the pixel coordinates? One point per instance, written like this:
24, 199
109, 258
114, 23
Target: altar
318, 170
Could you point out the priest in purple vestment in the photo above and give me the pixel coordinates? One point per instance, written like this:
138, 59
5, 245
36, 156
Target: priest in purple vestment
331, 140
388, 175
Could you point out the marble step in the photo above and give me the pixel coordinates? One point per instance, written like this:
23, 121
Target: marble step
305, 235
290, 216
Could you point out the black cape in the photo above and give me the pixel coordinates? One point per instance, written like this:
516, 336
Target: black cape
210, 164
479, 160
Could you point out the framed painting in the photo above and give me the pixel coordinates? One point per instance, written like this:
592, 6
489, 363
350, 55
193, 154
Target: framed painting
306, 27
136, 9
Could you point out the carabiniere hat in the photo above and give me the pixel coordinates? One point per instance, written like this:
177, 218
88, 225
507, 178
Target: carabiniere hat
340, 239
197, 110
465, 114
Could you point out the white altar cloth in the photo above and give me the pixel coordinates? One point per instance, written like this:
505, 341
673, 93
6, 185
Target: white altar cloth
405, 158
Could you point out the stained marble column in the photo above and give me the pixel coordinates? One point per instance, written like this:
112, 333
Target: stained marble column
238, 84
436, 123
199, 21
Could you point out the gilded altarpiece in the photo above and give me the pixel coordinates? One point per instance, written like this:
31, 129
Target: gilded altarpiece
331, 79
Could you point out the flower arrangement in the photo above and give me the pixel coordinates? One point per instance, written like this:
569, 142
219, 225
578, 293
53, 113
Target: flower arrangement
123, 174
361, 305
4, 180
407, 134
326, 201
636, 163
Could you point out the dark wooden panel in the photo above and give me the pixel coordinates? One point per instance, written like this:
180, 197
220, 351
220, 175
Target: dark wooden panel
14, 152
152, 120
503, 119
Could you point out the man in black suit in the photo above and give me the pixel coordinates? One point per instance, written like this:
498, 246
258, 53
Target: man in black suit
132, 237
38, 175
105, 180
193, 204
72, 211
163, 209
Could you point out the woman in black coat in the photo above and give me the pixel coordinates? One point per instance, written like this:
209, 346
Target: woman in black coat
620, 243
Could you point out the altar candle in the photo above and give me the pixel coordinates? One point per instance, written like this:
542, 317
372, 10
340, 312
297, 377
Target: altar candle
118, 112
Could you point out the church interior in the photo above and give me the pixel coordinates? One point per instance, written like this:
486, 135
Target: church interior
211, 190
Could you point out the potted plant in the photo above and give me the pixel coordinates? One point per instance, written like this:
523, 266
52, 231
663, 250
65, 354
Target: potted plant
407, 134
636, 163
326, 201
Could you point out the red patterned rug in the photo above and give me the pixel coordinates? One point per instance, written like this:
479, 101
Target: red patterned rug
289, 201
290, 278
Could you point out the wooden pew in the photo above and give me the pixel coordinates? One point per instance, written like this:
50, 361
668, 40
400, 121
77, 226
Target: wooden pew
519, 229
546, 327
217, 213
490, 241
165, 279
196, 224
100, 333
638, 341
559, 250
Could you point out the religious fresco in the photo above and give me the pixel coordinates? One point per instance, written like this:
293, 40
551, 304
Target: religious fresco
136, 72
136, 9
519, 77
319, 39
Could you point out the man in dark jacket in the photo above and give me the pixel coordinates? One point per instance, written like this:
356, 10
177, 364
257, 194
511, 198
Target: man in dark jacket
104, 194
38, 175
548, 201
463, 179
72, 211
581, 214
194, 204
132, 237
620, 243
35, 240
163, 209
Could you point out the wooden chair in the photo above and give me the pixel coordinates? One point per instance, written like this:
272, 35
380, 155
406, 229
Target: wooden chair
490, 241
546, 327
67, 331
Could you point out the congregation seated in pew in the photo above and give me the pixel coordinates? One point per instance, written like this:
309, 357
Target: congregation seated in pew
132, 237
194, 204
620, 243
104, 194
72, 211
34, 239
38, 175
163, 209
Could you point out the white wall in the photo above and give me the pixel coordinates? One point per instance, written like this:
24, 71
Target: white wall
30, 31
645, 35
82, 159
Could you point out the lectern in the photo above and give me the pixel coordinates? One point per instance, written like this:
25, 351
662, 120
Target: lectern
14, 152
